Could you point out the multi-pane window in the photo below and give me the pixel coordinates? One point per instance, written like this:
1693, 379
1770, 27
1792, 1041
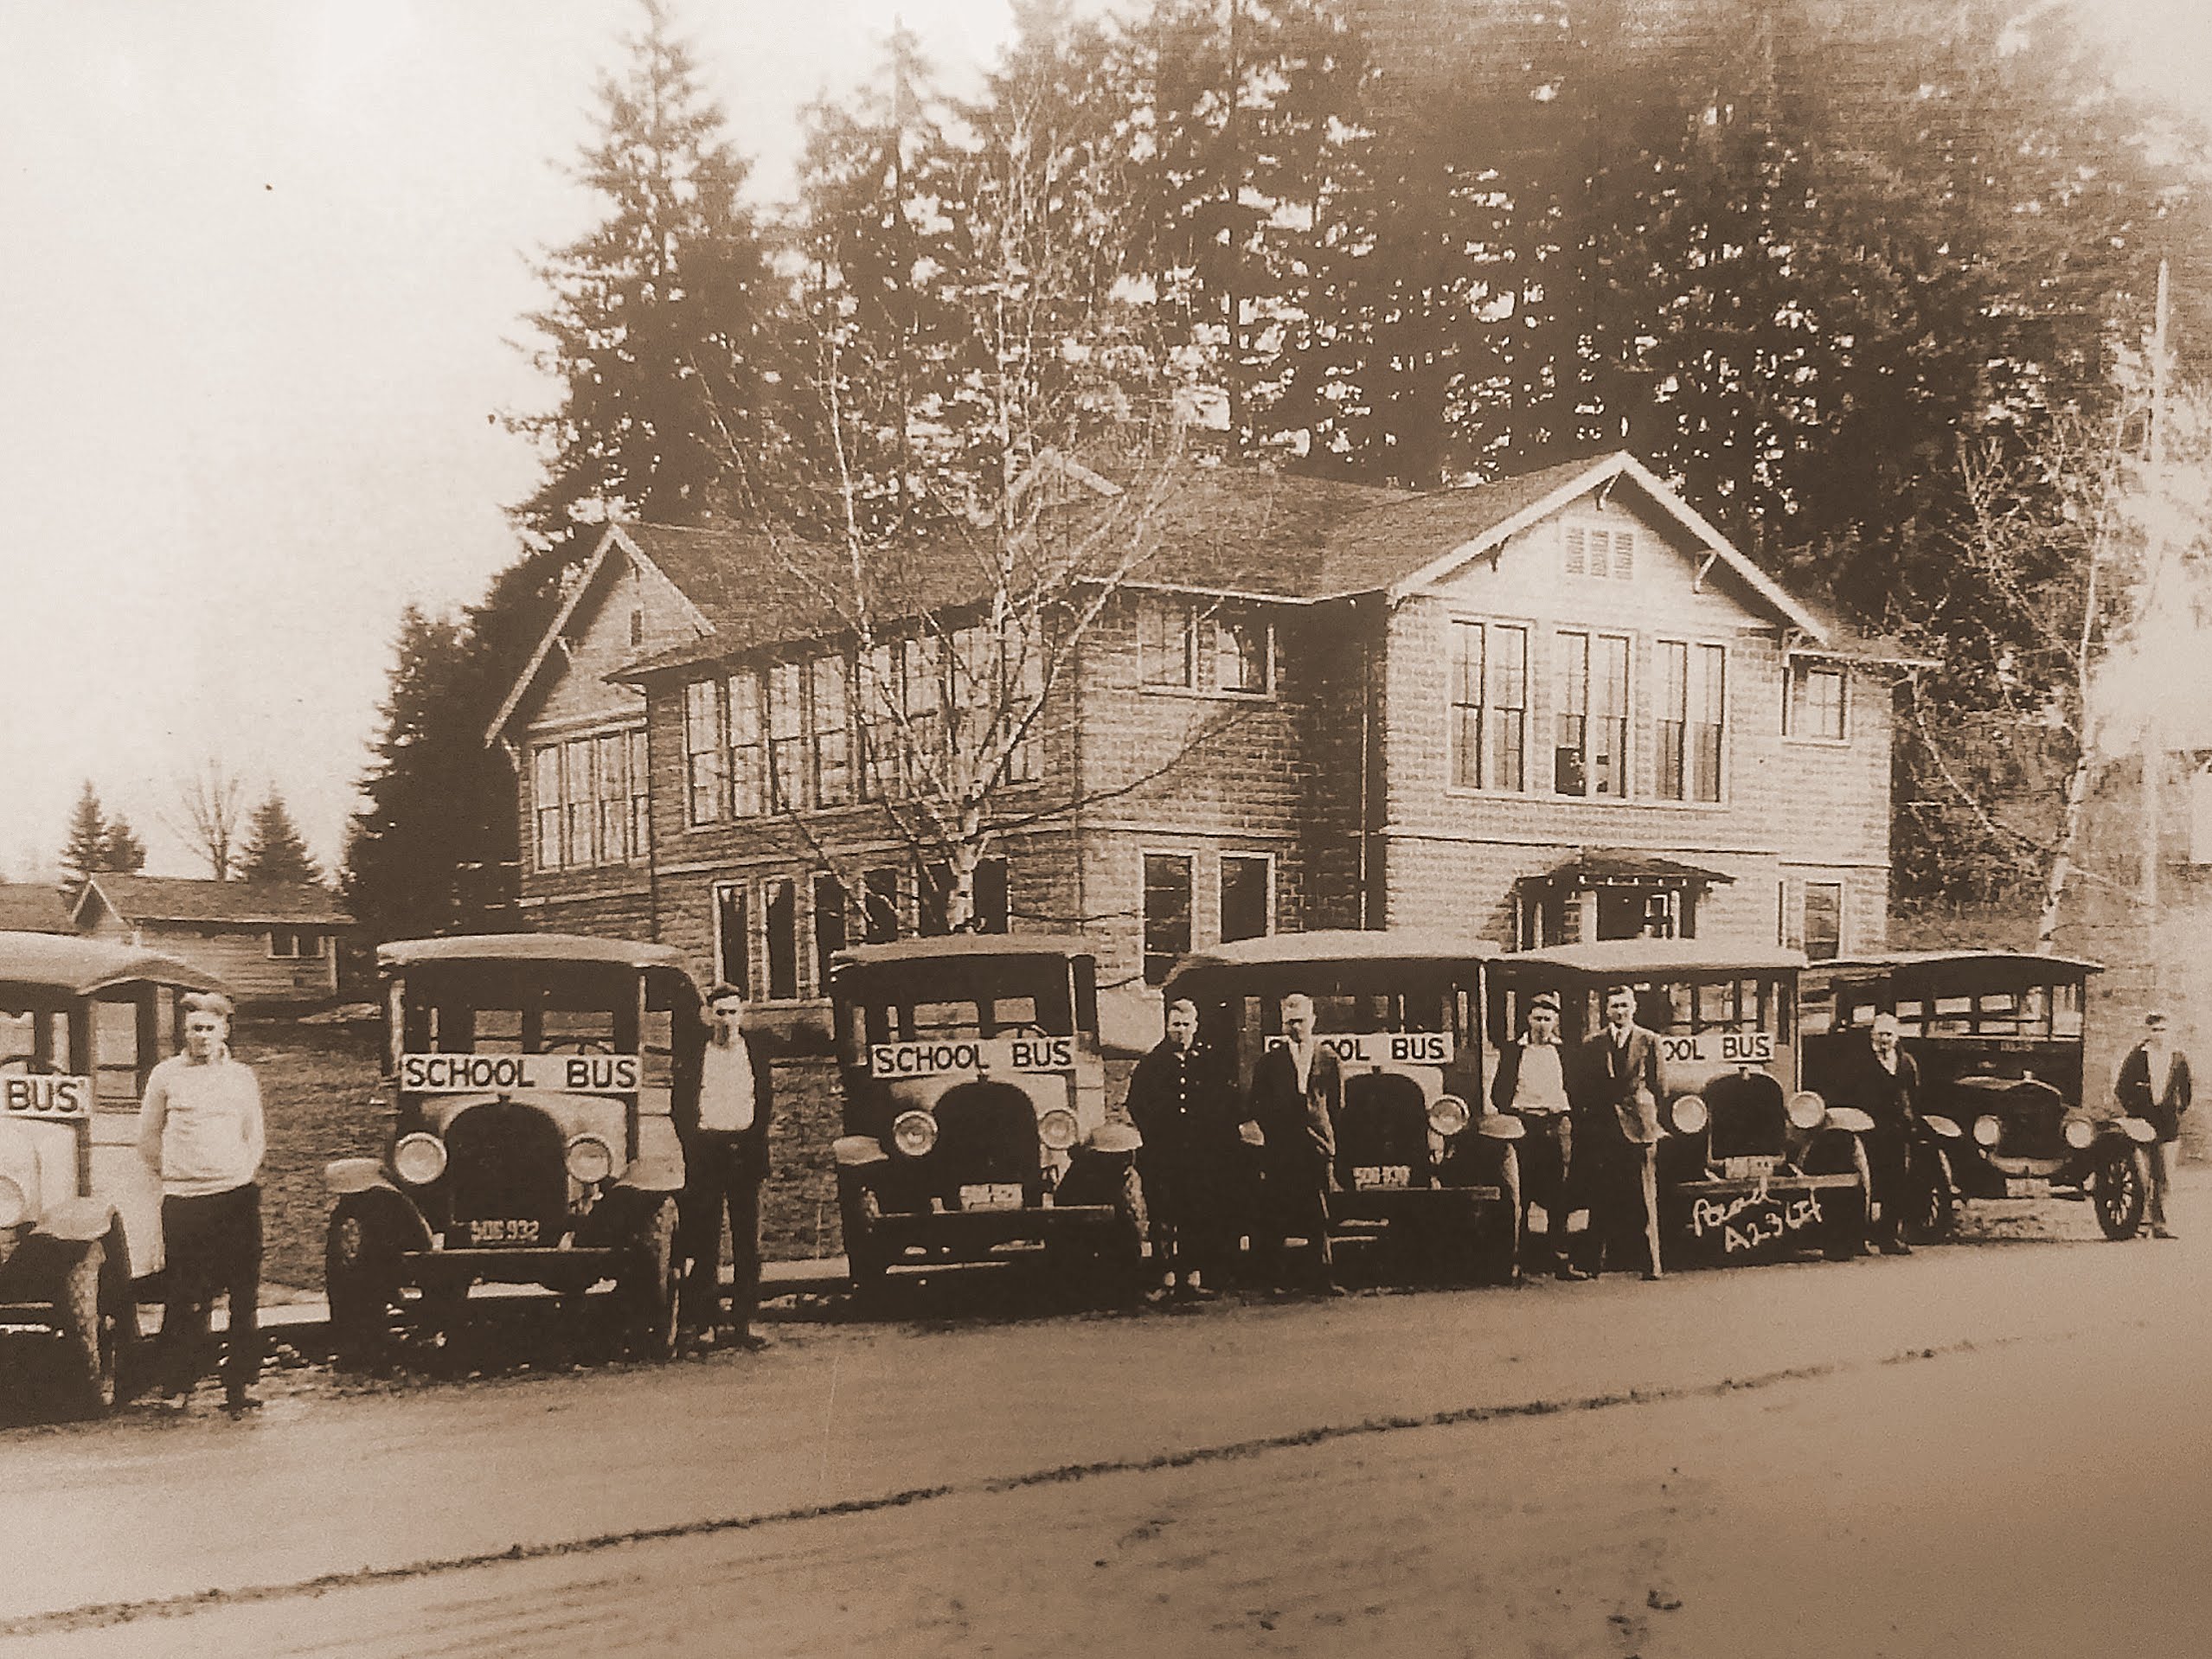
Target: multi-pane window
732, 942
881, 697
545, 800
1814, 706
1824, 919
787, 723
1690, 702
577, 793
702, 752
833, 764
1591, 754
1591, 551
293, 945
1490, 705
610, 769
1167, 914
749, 755
829, 924
1024, 671
641, 797
1247, 880
779, 911
1166, 642
880, 906
1241, 664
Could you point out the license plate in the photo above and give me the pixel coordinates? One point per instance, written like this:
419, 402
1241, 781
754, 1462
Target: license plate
1373, 1177
2027, 1187
992, 1195
502, 1232
1746, 1168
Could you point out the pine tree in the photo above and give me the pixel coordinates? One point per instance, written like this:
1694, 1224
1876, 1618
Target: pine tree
661, 316
274, 851
86, 848
124, 851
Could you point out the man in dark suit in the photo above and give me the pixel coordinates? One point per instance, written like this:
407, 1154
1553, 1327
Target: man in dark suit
2154, 1085
1885, 1086
723, 1098
1617, 1116
1181, 1100
1296, 1089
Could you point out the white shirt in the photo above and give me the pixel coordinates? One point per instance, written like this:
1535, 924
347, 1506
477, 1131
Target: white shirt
726, 1086
1541, 1085
199, 1125
1302, 1060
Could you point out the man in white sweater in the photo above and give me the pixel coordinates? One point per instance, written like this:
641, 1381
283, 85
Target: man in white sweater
200, 1131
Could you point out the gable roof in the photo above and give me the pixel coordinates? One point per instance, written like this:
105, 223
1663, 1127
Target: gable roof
1230, 532
33, 907
79, 967
138, 899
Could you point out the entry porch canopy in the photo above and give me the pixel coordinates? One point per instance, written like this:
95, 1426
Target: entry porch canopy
1612, 893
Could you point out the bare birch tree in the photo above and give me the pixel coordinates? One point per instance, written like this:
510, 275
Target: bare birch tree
211, 813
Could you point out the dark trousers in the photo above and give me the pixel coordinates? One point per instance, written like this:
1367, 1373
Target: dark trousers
213, 1248
721, 1174
1188, 1208
1547, 1156
1294, 1201
1608, 1179
1888, 1146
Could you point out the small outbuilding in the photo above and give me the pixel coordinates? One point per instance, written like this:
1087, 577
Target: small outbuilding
274, 944
33, 907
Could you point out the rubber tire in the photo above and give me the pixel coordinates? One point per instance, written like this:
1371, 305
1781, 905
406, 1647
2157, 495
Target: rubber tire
88, 1328
2121, 1194
1121, 1259
651, 1284
1934, 1215
859, 1212
360, 1281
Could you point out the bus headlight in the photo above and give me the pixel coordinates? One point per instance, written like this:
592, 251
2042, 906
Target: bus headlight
1058, 1129
590, 1159
14, 1204
1807, 1110
913, 1133
1690, 1115
1447, 1114
1988, 1132
2079, 1132
418, 1159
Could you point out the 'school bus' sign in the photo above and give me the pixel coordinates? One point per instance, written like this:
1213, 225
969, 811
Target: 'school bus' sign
486, 1074
1382, 1047
935, 1059
1719, 1049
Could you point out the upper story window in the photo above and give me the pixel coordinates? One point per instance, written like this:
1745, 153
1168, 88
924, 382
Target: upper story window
1243, 658
1167, 641
831, 708
1813, 705
1490, 705
702, 753
787, 736
1590, 754
590, 800
1689, 718
1593, 550
295, 944
748, 753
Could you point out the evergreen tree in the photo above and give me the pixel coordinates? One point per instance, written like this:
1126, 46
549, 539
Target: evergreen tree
86, 850
125, 851
274, 850
661, 314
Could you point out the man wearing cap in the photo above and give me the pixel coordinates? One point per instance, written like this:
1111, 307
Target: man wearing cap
723, 1098
201, 1132
1531, 1084
1617, 1121
1297, 1087
1179, 1101
2154, 1085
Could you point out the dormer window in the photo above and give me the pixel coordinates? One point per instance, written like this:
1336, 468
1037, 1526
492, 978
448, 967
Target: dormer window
1596, 550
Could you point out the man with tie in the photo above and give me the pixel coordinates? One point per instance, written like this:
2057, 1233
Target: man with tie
1617, 1117
1296, 1089
2154, 1085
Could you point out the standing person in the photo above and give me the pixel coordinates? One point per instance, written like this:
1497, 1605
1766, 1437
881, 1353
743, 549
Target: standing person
1298, 1088
1531, 1084
1886, 1087
1617, 1120
201, 1132
2154, 1085
721, 1106
1179, 1101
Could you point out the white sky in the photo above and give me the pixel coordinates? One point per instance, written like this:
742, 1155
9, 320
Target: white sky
260, 262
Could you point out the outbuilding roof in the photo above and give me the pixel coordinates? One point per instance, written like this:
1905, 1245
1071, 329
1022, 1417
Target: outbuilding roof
33, 907
136, 899
81, 967
1637, 959
528, 947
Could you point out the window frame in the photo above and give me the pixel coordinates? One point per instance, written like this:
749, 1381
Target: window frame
1687, 752
1226, 617
704, 768
1266, 861
1620, 719
1189, 863
1804, 667
1574, 561
547, 804
1486, 729
1167, 604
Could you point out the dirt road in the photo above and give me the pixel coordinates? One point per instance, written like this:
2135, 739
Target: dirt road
1989, 1448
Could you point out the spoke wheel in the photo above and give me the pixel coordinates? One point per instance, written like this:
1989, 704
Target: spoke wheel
1933, 1213
650, 1283
861, 1213
2123, 1191
359, 1279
